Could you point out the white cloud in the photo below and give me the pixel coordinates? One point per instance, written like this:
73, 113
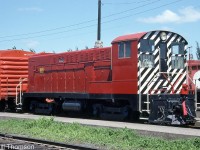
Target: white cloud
31, 9
32, 43
188, 14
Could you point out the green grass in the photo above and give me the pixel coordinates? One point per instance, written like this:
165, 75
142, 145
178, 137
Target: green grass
122, 139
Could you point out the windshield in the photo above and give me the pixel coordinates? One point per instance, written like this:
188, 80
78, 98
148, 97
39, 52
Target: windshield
177, 55
147, 61
146, 45
177, 48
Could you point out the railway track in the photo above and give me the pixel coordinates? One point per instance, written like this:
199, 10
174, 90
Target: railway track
13, 142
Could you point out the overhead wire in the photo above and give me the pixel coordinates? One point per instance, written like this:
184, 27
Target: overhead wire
77, 24
155, 1
119, 18
47, 34
144, 11
124, 3
49, 29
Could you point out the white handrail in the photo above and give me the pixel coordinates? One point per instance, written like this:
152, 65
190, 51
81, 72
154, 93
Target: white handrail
20, 91
195, 92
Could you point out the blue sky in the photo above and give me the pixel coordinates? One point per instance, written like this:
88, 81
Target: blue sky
60, 25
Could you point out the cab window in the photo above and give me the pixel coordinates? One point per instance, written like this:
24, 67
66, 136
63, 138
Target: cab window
147, 61
177, 55
177, 48
146, 45
124, 49
177, 62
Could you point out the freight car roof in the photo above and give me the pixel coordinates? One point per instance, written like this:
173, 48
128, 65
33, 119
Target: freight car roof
128, 37
15, 53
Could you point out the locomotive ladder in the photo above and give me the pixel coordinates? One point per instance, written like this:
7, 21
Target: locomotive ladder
148, 102
19, 87
148, 92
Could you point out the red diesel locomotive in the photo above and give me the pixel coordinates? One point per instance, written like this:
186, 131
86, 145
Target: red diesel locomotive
140, 74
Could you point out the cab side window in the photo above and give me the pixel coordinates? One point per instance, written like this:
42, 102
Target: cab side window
124, 49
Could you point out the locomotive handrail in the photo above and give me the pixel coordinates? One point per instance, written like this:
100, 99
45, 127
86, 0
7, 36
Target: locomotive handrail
148, 102
20, 91
140, 96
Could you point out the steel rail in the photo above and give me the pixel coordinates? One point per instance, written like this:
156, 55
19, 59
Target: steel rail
46, 142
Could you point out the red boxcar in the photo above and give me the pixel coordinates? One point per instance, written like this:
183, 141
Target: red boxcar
13, 67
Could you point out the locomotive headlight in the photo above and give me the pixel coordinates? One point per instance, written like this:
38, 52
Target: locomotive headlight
163, 36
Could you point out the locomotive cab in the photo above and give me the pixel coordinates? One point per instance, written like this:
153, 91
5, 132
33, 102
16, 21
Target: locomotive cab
162, 72
156, 69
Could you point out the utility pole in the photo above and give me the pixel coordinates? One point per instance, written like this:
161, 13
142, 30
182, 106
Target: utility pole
99, 21
190, 55
99, 43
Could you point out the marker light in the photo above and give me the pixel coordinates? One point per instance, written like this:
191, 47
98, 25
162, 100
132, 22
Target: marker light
163, 36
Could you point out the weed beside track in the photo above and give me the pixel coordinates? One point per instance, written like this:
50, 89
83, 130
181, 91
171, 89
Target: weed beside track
103, 138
